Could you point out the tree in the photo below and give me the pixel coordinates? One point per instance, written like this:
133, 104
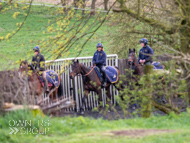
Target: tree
169, 21
106, 4
93, 7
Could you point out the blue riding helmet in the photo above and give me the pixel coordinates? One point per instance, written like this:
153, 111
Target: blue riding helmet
99, 45
143, 40
37, 48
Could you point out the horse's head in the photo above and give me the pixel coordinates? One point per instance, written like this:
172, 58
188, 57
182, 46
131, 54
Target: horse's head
75, 69
24, 68
131, 57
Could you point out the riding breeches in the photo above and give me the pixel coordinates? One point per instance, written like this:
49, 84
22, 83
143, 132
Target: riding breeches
102, 70
45, 79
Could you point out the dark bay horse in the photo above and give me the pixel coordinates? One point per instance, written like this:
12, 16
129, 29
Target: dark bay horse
91, 81
35, 84
133, 63
138, 69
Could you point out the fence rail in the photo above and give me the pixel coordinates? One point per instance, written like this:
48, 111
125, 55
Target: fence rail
74, 88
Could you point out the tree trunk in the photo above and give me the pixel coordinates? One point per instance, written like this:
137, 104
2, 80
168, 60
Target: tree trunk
106, 4
146, 98
93, 7
63, 2
76, 3
83, 6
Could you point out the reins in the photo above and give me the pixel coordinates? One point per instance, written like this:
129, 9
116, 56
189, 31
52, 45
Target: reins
89, 71
79, 71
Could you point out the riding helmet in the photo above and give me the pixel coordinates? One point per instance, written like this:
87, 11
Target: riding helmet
143, 40
99, 45
37, 48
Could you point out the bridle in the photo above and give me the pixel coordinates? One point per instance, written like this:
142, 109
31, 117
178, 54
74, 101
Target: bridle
79, 70
130, 59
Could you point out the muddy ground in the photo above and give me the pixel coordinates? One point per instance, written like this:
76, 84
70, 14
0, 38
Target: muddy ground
116, 113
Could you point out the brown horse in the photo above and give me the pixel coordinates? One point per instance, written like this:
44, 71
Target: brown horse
35, 83
91, 81
138, 69
133, 62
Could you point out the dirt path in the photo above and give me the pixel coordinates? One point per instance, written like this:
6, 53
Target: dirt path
140, 132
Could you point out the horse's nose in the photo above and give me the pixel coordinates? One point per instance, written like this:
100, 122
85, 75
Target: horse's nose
71, 77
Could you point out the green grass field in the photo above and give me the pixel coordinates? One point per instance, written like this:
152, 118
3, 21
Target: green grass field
85, 130
19, 46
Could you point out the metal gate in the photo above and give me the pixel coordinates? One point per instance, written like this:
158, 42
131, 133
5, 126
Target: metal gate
63, 66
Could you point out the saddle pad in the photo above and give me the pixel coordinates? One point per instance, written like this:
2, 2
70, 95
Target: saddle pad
52, 78
111, 74
157, 65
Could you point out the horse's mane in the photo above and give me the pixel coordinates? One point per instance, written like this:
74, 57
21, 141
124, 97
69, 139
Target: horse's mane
136, 60
30, 66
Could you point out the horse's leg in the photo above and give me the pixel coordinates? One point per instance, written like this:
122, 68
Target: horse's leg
55, 93
51, 93
86, 92
99, 96
108, 94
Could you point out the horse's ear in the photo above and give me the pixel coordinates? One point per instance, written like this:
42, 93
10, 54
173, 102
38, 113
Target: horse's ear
134, 50
129, 50
77, 61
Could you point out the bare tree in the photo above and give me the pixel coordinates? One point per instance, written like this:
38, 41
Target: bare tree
106, 4
93, 7
83, 6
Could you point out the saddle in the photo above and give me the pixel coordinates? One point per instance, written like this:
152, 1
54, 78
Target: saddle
52, 78
42, 82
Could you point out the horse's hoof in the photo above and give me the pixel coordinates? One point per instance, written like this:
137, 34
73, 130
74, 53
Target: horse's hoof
82, 112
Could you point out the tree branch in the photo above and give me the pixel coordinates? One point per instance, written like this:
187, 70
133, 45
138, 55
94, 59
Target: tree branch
151, 22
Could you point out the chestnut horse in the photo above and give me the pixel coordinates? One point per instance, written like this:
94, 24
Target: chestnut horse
92, 82
35, 84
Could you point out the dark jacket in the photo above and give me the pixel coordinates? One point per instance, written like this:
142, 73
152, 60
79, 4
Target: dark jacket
146, 50
38, 62
99, 58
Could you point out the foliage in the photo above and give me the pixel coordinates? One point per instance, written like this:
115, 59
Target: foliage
59, 34
83, 129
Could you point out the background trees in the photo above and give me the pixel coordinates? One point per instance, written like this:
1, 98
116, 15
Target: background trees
165, 24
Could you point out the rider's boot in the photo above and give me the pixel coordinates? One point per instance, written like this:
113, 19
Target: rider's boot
104, 83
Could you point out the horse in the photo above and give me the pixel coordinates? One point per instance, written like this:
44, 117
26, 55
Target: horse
133, 62
92, 82
35, 83
138, 69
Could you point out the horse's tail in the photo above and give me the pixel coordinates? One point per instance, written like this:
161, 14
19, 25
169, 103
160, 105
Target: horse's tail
60, 89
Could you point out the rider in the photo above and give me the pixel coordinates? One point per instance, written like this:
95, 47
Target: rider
38, 61
99, 60
145, 52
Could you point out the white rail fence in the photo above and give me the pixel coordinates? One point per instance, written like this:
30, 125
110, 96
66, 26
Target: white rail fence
74, 88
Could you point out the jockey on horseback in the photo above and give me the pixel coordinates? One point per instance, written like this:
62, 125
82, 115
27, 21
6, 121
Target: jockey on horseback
99, 60
145, 53
38, 61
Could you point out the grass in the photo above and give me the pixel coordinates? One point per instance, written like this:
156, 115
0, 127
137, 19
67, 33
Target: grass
19, 46
83, 129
